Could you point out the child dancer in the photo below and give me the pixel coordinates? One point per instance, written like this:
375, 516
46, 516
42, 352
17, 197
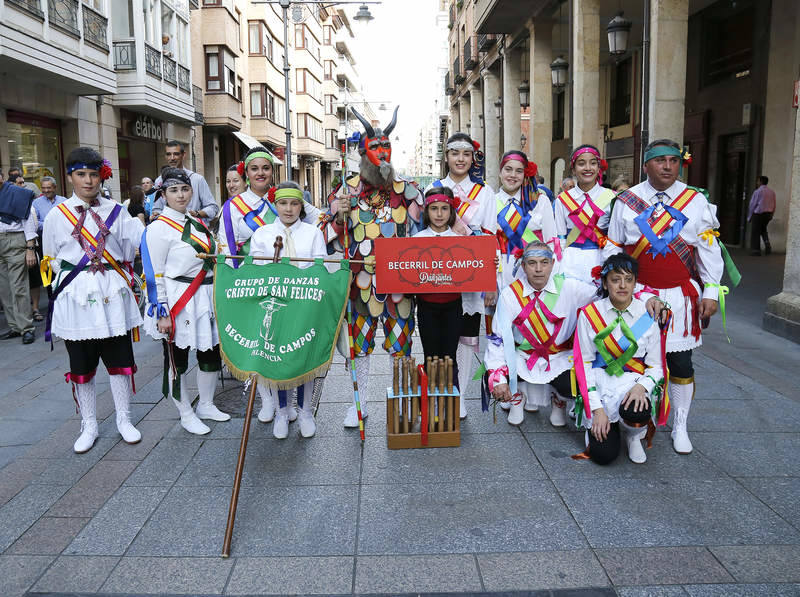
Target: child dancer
439, 315
181, 314
87, 239
299, 240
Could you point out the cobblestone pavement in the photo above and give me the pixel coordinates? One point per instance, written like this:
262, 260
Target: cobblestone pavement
508, 511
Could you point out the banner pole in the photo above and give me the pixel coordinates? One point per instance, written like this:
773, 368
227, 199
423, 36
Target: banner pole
237, 480
272, 258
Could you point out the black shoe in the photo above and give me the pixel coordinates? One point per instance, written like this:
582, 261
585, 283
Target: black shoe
10, 334
28, 338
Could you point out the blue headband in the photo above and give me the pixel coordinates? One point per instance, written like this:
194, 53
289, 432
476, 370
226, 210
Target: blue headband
82, 166
536, 251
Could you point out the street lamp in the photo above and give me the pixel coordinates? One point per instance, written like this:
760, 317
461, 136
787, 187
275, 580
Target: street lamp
363, 16
558, 72
524, 95
522, 140
618, 29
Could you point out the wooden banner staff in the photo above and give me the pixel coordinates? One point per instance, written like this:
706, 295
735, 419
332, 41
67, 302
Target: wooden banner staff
275, 258
237, 479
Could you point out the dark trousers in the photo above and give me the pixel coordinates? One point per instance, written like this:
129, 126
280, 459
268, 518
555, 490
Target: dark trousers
605, 452
758, 230
85, 355
680, 364
207, 360
440, 325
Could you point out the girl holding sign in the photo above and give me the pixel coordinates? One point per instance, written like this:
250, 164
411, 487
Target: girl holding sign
180, 293
299, 240
439, 315
245, 213
475, 214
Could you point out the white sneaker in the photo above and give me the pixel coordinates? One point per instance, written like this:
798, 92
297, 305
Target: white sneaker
292, 414
505, 405
516, 414
193, 424
129, 433
636, 452
209, 410
280, 427
307, 425
680, 437
87, 437
558, 415
351, 418
267, 412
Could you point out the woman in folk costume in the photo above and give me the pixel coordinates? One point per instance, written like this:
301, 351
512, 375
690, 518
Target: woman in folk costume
521, 218
617, 346
87, 241
181, 297
475, 214
582, 214
670, 229
242, 215
299, 240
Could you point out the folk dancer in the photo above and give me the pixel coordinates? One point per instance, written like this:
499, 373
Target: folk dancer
373, 204
670, 229
89, 243
242, 215
523, 215
475, 215
181, 302
300, 239
618, 364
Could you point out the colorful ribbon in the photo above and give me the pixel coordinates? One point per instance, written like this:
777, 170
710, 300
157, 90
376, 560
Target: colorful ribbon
660, 246
723, 290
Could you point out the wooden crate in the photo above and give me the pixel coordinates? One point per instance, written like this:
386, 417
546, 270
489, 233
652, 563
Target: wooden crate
404, 418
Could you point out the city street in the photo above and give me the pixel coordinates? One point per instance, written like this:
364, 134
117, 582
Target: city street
507, 511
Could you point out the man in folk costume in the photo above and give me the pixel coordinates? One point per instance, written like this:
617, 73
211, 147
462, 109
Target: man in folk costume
670, 229
475, 215
90, 242
373, 204
532, 330
242, 215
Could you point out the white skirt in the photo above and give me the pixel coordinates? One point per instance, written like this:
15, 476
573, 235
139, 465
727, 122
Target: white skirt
679, 335
196, 324
94, 306
611, 391
578, 263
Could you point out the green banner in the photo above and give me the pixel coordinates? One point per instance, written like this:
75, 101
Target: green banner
278, 321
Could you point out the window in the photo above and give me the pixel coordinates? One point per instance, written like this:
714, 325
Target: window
122, 19
619, 111
329, 67
265, 104
96, 5
268, 41
727, 43
329, 104
254, 38
327, 35
558, 115
183, 42
330, 138
212, 2
257, 101
308, 84
213, 76
304, 40
309, 127
221, 72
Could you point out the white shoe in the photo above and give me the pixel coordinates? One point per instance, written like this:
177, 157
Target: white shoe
351, 418
267, 412
121, 390
280, 427
193, 424
516, 414
206, 409
292, 413
531, 407
636, 453
505, 405
680, 437
87, 437
558, 415
462, 407
307, 425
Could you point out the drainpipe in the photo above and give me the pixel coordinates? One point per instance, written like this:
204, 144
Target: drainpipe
645, 137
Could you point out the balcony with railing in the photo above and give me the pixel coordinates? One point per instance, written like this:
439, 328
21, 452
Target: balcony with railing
63, 15
486, 41
152, 60
197, 100
458, 76
448, 87
95, 27
32, 7
470, 54
170, 70
184, 78
125, 55
452, 20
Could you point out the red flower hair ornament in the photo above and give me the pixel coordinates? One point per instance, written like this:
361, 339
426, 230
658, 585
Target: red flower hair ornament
240, 169
603, 165
597, 272
476, 145
105, 171
531, 170
271, 194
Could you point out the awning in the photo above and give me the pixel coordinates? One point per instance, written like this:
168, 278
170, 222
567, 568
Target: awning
251, 142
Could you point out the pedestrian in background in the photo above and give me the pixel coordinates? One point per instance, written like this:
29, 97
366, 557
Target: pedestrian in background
17, 254
149, 190
620, 184
136, 204
567, 184
203, 204
759, 214
540, 186
42, 206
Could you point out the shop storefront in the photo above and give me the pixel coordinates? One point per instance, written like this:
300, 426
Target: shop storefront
141, 143
34, 146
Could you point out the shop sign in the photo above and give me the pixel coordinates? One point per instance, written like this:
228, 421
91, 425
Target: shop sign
147, 128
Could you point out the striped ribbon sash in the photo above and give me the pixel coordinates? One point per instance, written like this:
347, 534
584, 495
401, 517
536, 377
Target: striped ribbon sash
586, 224
469, 202
532, 324
616, 356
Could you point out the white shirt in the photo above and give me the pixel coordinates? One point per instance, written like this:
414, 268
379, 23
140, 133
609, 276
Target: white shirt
574, 295
427, 232
701, 214
597, 194
649, 347
307, 239
484, 216
170, 256
202, 198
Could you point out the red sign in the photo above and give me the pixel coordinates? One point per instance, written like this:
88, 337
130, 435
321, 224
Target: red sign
435, 264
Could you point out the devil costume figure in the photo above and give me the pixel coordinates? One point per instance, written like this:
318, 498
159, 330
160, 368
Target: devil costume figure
373, 204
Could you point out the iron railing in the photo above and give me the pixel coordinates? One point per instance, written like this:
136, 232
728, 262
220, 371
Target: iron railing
63, 14
170, 70
125, 55
32, 7
470, 56
184, 78
452, 15
95, 28
197, 99
458, 77
152, 60
448, 87
486, 41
